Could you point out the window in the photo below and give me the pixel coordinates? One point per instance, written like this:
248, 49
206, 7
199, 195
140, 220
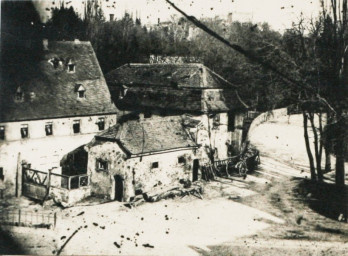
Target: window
19, 96
24, 131
216, 121
80, 91
154, 165
81, 94
231, 121
76, 126
101, 123
71, 68
48, 128
102, 165
2, 132
181, 160
112, 16
2, 177
147, 114
123, 92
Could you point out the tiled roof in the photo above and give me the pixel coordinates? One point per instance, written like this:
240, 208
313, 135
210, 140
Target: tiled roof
188, 75
138, 137
49, 90
179, 87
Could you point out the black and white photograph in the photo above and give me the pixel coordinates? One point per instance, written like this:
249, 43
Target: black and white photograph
174, 127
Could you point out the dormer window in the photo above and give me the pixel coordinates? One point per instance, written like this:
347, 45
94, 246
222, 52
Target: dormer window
81, 94
80, 91
19, 96
123, 92
71, 66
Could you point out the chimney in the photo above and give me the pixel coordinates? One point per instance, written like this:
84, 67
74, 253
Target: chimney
77, 41
45, 44
229, 17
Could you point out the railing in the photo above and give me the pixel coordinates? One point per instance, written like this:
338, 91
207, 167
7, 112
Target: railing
54, 179
25, 218
35, 177
69, 182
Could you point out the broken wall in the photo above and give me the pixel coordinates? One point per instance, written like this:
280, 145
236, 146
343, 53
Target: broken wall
138, 173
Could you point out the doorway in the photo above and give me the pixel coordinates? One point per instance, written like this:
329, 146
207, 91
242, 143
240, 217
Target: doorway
118, 188
195, 170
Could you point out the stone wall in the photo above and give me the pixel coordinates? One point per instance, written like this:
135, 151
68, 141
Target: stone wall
69, 197
137, 173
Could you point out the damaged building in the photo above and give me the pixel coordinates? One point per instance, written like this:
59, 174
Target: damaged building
135, 156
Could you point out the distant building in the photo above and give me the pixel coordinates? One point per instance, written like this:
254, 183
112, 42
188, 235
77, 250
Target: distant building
53, 107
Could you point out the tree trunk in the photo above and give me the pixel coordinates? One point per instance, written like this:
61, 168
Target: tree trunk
340, 152
309, 152
327, 159
316, 148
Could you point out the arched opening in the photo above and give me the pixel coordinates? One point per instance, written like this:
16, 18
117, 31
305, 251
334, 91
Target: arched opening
118, 188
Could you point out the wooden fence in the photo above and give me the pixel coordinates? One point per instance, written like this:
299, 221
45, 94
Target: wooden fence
26, 218
36, 184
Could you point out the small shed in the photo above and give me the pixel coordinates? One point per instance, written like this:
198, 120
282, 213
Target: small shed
137, 156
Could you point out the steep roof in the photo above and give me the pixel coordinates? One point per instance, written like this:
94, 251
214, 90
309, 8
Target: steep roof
188, 75
180, 87
143, 137
51, 91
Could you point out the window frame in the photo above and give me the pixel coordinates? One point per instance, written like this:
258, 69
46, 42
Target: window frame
102, 165
155, 165
2, 176
24, 128
81, 94
101, 121
77, 122
50, 125
2, 132
73, 68
181, 160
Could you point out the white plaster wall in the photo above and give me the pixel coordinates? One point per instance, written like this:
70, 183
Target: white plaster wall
43, 153
61, 127
136, 172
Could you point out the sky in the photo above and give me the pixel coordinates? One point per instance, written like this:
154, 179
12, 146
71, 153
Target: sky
278, 13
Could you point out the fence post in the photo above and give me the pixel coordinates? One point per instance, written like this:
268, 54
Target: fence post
55, 220
19, 217
69, 182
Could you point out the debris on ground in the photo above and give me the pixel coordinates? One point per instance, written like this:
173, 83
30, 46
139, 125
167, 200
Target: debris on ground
117, 245
80, 214
148, 246
196, 189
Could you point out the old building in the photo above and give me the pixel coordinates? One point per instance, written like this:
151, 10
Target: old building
136, 156
209, 105
52, 106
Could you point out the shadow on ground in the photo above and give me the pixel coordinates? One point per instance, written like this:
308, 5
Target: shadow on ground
326, 199
8, 245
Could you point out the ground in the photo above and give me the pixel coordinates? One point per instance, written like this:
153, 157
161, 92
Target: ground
274, 211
